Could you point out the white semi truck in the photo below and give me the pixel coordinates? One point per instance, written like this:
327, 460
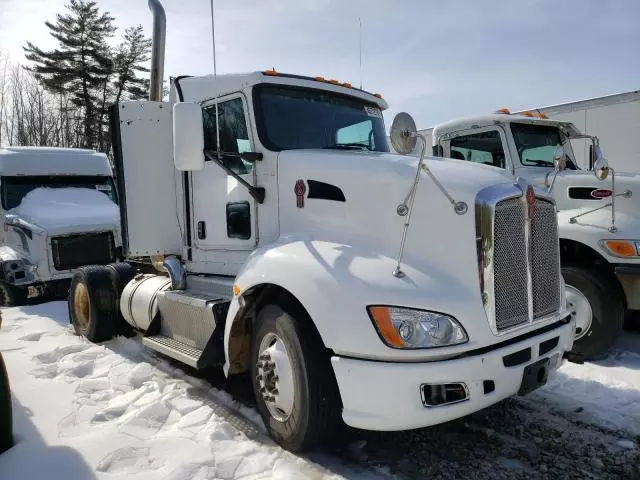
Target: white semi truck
598, 210
353, 284
59, 212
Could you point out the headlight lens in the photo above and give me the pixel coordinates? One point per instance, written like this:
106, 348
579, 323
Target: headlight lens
623, 248
409, 328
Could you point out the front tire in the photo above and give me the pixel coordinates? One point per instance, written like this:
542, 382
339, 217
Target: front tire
595, 335
92, 303
11, 295
295, 390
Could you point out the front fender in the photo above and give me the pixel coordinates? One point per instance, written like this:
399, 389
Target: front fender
336, 282
591, 229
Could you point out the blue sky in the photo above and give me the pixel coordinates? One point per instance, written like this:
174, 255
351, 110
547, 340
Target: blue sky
435, 59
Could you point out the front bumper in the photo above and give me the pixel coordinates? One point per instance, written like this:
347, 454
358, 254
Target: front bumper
629, 278
387, 396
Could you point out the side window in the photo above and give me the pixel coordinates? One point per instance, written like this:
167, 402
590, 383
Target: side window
234, 138
361, 133
485, 148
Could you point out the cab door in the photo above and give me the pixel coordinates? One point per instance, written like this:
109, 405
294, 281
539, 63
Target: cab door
224, 213
487, 146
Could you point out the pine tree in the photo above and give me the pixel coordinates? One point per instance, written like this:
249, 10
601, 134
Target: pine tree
129, 59
82, 64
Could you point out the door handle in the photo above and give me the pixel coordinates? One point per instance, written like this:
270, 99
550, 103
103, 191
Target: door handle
202, 230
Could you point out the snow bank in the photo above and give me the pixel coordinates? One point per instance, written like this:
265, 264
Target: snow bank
114, 410
67, 207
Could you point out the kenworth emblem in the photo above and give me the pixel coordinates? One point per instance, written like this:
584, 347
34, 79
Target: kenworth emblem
300, 190
531, 202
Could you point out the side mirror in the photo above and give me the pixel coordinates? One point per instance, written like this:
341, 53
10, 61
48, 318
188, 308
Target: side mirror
601, 167
559, 159
403, 133
188, 137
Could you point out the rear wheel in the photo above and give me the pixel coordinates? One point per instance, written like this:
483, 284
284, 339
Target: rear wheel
295, 391
121, 274
597, 308
92, 303
6, 418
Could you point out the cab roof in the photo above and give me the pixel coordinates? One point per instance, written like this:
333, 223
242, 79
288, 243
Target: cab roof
52, 161
203, 88
467, 123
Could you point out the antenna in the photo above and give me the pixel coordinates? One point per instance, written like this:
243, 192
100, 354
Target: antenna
215, 83
360, 23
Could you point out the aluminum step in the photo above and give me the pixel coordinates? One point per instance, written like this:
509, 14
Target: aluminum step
174, 349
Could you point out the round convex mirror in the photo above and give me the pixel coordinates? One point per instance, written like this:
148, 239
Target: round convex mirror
403, 130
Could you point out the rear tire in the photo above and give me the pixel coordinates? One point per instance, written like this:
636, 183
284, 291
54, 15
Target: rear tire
6, 414
606, 307
121, 274
92, 303
315, 409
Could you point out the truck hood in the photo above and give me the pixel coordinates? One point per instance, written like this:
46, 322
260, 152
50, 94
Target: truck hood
580, 191
68, 210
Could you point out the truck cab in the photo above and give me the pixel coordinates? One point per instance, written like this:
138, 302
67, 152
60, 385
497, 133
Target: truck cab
59, 212
598, 212
350, 283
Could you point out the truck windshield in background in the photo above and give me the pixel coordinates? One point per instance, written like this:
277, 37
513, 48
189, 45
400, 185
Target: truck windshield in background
14, 189
300, 118
536, 145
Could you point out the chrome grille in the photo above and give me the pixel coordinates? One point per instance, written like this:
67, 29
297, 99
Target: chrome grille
545, 260
510, 264
518, 258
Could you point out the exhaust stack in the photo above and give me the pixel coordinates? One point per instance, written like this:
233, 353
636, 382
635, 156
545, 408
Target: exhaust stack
157, 50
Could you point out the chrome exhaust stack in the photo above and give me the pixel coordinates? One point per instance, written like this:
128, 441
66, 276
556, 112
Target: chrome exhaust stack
157, 50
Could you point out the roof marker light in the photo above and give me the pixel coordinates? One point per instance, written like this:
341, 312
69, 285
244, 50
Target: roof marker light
377, 95
503, 110
334, 82
527, 114
271, 73
319, 79
346, 84
542, 115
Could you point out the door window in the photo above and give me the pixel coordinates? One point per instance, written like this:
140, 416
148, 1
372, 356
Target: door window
483, 147
234, 137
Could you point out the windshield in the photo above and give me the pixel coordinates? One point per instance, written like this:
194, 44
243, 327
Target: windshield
536, 144
14, 189
301, 118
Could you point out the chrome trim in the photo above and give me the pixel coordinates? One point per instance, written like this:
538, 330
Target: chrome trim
424, 400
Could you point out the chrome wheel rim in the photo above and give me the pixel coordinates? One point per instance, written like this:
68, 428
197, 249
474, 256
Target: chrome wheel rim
275, 377
81, 307
580, 310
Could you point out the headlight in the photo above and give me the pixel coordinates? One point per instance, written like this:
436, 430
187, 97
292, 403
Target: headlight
409, 328
622, 248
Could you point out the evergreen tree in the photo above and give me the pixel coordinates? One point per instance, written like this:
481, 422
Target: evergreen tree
86, 70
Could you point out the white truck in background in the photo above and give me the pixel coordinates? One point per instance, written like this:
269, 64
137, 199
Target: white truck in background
58, 211
353, 284
598, 210
614, 119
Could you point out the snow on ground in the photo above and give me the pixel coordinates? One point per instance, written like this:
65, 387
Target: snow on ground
58, 207
108, 411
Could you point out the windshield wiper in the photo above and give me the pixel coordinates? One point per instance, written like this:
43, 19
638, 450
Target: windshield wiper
348, 146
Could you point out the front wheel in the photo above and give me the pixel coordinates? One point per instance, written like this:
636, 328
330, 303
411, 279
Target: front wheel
597, 308
11, 295
295, 391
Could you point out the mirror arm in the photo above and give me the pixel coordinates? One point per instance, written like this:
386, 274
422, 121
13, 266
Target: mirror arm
258, 193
